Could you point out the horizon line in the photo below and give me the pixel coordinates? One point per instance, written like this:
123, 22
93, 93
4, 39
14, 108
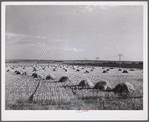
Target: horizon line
69, 60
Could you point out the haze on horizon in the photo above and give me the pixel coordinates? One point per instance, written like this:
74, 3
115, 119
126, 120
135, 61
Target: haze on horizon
74, 32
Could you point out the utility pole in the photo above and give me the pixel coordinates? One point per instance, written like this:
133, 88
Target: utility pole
97, 60
120, 59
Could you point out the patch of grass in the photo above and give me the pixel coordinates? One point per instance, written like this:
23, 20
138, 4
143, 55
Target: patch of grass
88, 103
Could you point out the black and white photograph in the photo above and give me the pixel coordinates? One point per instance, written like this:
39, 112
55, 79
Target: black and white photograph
83, 58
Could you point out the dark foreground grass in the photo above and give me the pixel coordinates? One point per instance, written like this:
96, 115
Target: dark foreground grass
82, 103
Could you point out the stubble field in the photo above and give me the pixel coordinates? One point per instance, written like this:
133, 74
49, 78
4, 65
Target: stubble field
51, 95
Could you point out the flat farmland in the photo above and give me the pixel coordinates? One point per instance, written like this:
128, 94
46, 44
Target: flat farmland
52, 95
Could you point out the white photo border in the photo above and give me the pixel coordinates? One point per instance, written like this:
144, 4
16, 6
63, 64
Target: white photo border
43, 115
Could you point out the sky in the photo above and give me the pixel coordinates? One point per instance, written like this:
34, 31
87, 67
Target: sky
74, 32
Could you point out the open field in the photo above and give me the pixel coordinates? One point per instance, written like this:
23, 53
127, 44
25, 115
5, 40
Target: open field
51, 95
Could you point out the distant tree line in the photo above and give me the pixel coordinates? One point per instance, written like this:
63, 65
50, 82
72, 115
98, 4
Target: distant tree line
125, 64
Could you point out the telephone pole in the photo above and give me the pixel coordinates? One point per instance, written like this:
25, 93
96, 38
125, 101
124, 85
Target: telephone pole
120, 59
97, 60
